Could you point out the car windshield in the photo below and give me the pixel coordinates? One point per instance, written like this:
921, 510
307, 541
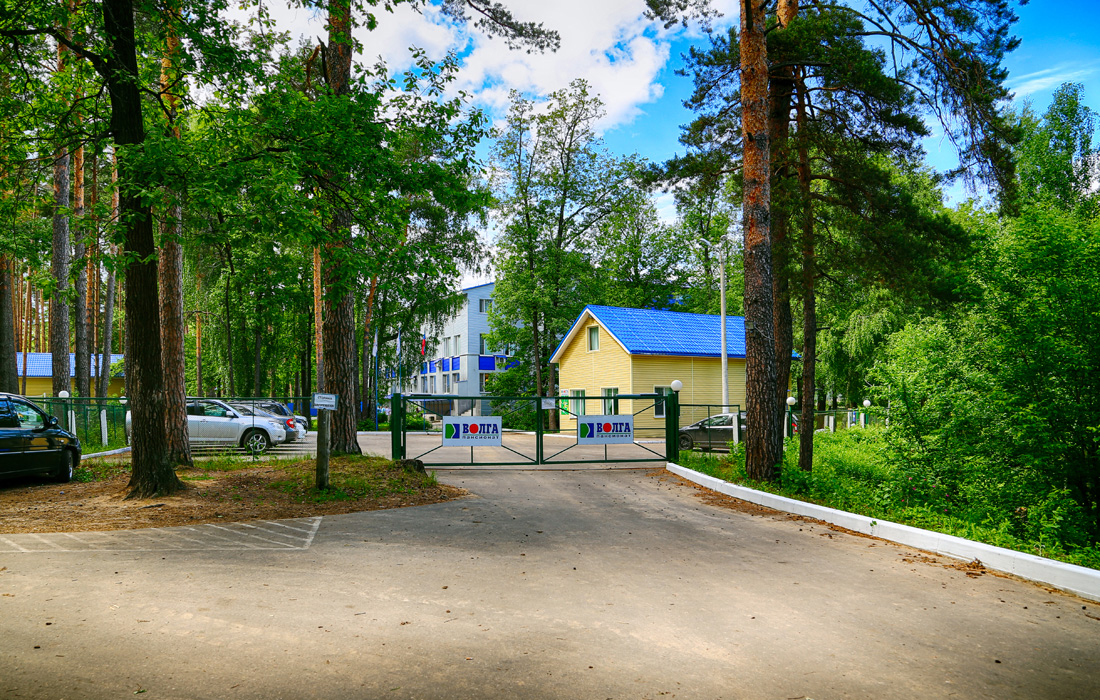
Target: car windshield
252, 411
715, 421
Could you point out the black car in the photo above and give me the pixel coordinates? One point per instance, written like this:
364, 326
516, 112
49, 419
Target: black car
713, 432
32, 442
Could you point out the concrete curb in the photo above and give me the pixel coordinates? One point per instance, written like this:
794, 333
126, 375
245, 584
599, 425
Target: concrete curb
108, 453
1075, 579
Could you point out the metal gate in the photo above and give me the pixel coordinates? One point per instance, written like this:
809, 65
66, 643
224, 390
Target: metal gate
497, 431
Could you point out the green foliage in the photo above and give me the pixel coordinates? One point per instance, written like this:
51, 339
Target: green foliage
1057, 162
1000, 405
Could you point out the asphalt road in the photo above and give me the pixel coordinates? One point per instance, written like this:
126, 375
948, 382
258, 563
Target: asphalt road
543, 584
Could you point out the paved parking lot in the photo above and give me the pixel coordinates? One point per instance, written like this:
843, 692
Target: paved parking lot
542, 584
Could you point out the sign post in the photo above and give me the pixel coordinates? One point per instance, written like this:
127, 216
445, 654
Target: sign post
324, 403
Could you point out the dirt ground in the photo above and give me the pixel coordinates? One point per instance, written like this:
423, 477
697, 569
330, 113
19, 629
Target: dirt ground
209, 496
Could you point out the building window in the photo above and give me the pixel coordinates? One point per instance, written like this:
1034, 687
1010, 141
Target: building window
593, 338
446, 347
433, 384
454, 382
446, 383
484, 380
483, 345
578, 402
659, 404
484, 305
610, 405
458, 349
424, 385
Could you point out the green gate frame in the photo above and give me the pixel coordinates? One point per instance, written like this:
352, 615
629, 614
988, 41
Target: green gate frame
399, 428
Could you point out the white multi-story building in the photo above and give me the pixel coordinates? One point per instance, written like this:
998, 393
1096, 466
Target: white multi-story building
462, 359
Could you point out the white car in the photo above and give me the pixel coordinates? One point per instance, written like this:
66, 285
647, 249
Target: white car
213, 422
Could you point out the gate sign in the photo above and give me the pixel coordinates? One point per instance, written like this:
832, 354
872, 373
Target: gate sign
471, 431
605, 430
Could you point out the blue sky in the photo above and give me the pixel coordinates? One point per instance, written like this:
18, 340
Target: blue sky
1060, 42
631, 62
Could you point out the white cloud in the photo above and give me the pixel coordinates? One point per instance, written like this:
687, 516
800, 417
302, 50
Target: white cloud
609, 43
1046, 79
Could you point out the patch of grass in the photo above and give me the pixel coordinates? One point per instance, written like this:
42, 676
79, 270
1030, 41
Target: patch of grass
350, 478
100, 470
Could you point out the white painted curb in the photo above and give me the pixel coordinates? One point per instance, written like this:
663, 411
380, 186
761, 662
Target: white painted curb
108, 453
1080, 580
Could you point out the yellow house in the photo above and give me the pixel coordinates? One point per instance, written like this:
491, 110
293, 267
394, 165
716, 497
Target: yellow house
39, 373
611, 350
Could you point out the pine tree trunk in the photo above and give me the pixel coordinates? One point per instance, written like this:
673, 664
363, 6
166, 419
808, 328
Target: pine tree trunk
9, 377
339, 312
781, 88
809, 300
152, 473
107, 336
59, 267
764, 434
60, 260
82, 360
173, 328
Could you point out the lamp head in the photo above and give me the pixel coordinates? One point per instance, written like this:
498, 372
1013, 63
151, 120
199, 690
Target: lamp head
866, 403
677, 385
791, 400
63, 394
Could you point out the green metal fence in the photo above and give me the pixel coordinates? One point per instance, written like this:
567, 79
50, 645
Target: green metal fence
99, 423
417, 422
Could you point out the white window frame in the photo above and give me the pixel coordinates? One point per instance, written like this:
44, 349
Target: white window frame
659, 404
610, 404
458, 345
432, 384
484, 305
590, 333
578, 401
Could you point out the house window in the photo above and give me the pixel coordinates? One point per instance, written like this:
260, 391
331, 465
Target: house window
484, 305
659, 404
610, 405
578, 402
593, 338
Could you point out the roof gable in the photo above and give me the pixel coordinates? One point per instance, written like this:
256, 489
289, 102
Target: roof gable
659, 332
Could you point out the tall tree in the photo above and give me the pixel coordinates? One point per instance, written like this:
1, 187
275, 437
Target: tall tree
557, 186
170, 263
61, 259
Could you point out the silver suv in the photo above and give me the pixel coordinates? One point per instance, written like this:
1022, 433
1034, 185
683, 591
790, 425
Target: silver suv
213, 422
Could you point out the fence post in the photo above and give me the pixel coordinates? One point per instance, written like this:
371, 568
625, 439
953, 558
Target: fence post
672, 427
397, 405
103, 426
538, 430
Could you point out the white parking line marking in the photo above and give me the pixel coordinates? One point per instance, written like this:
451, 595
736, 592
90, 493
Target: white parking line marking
259, 536
12, 544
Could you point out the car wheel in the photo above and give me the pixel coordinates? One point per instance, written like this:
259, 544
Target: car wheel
65, 469
256, 441
685, 442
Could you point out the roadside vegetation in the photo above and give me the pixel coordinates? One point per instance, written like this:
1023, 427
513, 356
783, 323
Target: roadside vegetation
863, 472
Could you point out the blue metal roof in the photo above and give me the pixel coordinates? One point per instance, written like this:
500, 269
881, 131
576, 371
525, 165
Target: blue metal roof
658, 332
39, 364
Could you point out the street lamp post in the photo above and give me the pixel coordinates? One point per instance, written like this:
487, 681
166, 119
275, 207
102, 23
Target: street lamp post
719, 247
